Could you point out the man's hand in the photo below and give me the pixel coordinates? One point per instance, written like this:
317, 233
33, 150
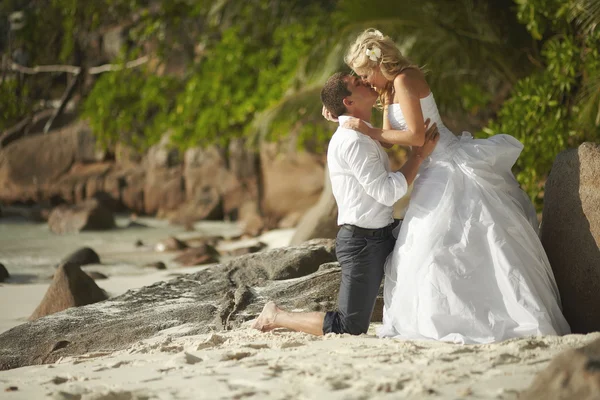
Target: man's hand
432, 135
327, 115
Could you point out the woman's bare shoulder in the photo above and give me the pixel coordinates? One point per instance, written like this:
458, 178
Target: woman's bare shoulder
413, 80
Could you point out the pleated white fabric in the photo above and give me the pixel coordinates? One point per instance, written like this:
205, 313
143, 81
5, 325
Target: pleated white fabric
468, 265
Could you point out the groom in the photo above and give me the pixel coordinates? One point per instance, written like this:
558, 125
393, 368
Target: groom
365, 190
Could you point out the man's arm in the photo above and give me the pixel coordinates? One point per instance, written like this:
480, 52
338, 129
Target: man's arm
367, 167
386, 187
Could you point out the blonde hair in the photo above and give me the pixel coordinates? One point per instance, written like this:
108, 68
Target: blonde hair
391, 60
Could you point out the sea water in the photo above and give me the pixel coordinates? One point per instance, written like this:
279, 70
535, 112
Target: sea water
30, 251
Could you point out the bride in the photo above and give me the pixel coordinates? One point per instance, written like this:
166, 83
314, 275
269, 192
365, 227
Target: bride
468, 266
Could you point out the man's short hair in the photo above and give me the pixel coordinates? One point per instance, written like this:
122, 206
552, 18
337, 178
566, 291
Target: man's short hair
334, 92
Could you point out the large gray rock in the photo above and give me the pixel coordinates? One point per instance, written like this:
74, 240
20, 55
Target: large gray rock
573, 374
321, 220
220, 297
570, 233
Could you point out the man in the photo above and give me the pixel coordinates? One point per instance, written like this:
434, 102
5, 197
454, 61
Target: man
365, 190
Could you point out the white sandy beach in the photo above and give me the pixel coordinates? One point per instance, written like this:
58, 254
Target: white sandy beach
244, 363
286, 365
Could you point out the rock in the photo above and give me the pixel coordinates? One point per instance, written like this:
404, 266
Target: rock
321, 220
87, 216
97, 276
329, 266
292, 180
83, 256
203, 254
290, 220
32, 167
157, 265
164, 184
206, 205
217, 298
244, 249
4, 275
171, 244
570, 233
573, 374
70, 287
285, 263
250, 218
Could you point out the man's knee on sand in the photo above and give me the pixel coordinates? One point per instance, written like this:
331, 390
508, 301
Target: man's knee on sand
337, 323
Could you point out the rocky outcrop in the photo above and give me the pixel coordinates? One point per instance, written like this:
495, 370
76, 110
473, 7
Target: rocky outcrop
219, 297
89, 215
573, 374
321, 220
164, 188
70, 287
292, 180
256, 187
570, 233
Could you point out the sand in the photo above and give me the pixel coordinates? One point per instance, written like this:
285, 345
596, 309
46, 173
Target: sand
244, 363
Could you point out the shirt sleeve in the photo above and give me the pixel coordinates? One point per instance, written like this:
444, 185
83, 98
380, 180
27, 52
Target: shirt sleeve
367, 167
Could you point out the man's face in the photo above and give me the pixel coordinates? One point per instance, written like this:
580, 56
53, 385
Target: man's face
362, 93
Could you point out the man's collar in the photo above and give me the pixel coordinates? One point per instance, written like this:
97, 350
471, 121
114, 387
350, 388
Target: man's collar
344, 118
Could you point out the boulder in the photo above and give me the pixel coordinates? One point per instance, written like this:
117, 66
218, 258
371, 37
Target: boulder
219, 297
31, 168
292, 180
573, 374
203, 254
89, 215
82, 256
70, 287
4, 275
570, 233
321, 220
164, 184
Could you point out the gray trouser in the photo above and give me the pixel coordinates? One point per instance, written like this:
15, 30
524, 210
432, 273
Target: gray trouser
362, 256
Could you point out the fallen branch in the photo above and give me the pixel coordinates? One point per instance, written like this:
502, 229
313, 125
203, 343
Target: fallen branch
72, 69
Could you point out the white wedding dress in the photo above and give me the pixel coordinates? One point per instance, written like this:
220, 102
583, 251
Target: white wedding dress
468, 266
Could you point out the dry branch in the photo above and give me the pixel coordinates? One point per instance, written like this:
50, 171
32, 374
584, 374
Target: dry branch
72, 69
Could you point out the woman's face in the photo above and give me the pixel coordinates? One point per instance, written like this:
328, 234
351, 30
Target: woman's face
375, 78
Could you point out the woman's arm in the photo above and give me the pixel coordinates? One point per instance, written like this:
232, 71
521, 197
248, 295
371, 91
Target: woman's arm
407, 87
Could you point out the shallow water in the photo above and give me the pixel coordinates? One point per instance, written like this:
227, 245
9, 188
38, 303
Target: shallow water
29, 251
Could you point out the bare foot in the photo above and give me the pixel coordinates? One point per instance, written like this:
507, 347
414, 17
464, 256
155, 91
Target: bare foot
266, 320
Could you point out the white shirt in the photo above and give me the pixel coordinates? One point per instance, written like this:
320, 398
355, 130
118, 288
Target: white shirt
363, 186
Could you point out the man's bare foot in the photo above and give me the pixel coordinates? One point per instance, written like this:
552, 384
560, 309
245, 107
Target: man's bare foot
266, 320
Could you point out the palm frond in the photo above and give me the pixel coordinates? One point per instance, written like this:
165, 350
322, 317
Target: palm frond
586, 13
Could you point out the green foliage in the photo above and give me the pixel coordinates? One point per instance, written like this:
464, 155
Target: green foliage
129, 106
240, 77
542, 114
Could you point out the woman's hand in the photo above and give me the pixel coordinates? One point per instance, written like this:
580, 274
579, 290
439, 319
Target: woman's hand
432, 135
359, 125
327, 115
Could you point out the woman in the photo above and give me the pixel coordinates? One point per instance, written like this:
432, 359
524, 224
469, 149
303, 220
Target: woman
468, 266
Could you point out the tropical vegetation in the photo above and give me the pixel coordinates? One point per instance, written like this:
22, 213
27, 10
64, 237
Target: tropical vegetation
225, 69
